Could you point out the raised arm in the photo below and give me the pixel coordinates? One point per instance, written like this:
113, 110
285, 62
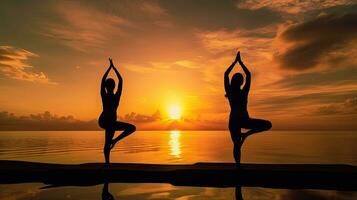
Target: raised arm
246, 87
120, 84
226, 75
102, 87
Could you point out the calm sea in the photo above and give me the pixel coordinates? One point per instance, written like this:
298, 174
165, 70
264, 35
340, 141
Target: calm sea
186, 147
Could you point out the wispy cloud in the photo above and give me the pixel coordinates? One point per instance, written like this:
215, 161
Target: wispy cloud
347, 107
328, 40
292, 6
83, 27
142, 118
150, 67
245, 40
153, 9
330, 78
13, 64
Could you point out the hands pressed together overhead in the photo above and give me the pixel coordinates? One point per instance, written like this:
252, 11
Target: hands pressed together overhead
111, 63
238, 58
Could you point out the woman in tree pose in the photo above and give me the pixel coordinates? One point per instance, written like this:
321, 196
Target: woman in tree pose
238, 100
108, 118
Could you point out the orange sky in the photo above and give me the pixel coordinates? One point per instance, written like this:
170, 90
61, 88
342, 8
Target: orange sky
302, 58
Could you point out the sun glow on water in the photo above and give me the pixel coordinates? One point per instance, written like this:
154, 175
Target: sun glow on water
175, 145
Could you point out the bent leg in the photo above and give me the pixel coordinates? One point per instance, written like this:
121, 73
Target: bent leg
108, 141
126, 128
255, 126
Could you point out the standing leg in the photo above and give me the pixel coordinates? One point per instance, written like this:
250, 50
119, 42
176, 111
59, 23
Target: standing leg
108, 140
236, 138
237, 151
127, 130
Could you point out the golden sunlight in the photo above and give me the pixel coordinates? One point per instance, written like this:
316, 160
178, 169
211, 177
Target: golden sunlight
174, 112
175, 145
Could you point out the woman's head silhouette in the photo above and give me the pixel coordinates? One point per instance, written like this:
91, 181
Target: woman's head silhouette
237, 80
109, 85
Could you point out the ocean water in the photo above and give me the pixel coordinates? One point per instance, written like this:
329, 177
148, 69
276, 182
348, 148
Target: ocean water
176, 147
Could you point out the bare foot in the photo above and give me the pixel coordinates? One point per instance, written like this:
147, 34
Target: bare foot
113, 143
244, 137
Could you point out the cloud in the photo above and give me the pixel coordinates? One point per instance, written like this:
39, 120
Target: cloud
153, 9
48, 121
328, 40
213, 15
295, 99
162, 66
223, 40
141, 118
157, 13
43, 121
347, 107
328, 78
13, 64
156, 121
186, 64
83, 27
292, 6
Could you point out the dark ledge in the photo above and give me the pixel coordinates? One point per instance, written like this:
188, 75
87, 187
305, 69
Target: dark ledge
291, 176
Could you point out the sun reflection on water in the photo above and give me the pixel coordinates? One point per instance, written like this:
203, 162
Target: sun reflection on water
175, 145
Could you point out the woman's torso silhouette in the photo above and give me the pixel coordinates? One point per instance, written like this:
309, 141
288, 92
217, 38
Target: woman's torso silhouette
110, 104
238, 102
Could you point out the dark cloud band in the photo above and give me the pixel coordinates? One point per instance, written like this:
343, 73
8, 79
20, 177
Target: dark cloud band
314, 42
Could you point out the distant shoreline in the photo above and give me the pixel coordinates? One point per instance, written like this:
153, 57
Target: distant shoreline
303, 130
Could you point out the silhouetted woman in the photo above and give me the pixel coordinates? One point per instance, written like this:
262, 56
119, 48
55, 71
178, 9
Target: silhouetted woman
108, 118
238, 100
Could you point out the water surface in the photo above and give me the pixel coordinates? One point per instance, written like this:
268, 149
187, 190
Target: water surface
166, 147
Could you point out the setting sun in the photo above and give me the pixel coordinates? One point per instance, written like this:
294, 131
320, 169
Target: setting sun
174, 112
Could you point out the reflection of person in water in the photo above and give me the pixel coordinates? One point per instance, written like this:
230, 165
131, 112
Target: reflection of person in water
105, 192
108, 118
238, 193
238, 100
